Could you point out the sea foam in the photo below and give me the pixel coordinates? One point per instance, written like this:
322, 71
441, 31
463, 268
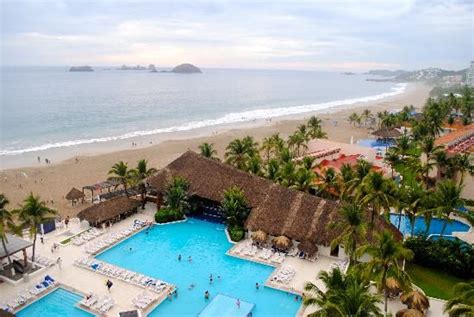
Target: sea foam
237, 117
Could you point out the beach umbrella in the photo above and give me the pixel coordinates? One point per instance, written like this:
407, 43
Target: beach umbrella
259, 236
415, 300
392, 286
74, 194
409, 313
387, 133
282, 242
308, 247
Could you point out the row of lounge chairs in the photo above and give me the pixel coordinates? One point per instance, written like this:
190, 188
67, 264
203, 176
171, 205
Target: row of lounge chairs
143, 300
294, 252
28, 294
101, 304
112, 238
265, 254
43, 261
122, 274
284, 275
87, 236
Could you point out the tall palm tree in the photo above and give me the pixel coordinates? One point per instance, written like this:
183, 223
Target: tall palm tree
235, 207
461, 164
176, 195
345, 295
237, 154
308, 162
287, 174
272, 170
377, 192
353, 118
304, 179
32, 213
463, 302
207, 150
297, 141
6, 224
386, 255
353, 229
448, 199
315, 130
328, 184
415, 202
367, 115
254, 165
267, 147
121, 174
140, 174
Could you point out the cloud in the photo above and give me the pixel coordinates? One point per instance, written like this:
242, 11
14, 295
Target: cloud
319, 34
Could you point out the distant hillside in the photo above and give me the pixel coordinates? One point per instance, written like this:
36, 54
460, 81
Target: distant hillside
427, 74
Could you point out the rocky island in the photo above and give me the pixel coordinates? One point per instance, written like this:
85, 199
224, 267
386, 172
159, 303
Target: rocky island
81, 69
186, 69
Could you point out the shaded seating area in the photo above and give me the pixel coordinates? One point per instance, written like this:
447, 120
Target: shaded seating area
117, 193
109, 211
14, 245
75, 195
98, 188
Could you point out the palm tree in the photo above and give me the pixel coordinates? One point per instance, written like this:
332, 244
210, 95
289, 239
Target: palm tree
304, 179
414, 199
366, 114
255, 165
448, 199
235, 207
121, 174
296, 141
287, 174
308, 162
328, 185
237, 154
392, 159
267, 147
345, 295
353, 118
386, 255
315, 129
378, 192
346, 178
6, 223
463, 302
140, 174
32, 213
176, 195
461, 164
272, 170
207, 150
353, 229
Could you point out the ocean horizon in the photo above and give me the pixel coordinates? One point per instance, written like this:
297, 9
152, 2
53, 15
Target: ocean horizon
46, 108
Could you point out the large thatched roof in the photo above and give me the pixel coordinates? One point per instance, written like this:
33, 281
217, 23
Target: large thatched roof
277, 210
108, 209
74, 194
387, 133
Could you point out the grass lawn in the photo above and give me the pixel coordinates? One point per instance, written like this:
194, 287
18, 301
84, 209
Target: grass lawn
433, 282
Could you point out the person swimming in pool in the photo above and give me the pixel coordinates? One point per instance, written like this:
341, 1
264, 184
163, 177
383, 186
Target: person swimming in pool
206, 295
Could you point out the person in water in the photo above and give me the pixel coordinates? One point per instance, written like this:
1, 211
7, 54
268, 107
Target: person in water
257, 286
238, 303
206, 295
179, 257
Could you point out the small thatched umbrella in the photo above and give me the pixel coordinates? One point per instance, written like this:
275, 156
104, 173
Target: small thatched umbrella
392, 286
409, 313
415, 300
308, 247
282, 242
259, 236
387, 133
75, 194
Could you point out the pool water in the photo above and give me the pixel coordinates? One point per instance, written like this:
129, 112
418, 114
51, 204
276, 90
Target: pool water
156, 254
375, 143
420, 226
58, 303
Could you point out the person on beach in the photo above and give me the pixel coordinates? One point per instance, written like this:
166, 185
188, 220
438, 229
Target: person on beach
109, 284
66, 222
59, 261
39, 159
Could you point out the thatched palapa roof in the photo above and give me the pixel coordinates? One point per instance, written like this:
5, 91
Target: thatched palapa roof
275, 209
74, 194
308, 247
108, 210
387, 133
409, 313
415, 300
259, 236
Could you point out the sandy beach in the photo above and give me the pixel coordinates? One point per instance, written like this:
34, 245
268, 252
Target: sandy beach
20, 175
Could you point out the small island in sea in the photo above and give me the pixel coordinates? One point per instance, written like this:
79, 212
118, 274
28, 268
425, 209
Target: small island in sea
84, 68
186, 69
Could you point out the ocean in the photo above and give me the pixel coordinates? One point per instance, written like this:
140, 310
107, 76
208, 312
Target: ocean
50, 108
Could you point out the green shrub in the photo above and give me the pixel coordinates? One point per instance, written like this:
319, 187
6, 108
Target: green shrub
236, 233
451, 256
167, 215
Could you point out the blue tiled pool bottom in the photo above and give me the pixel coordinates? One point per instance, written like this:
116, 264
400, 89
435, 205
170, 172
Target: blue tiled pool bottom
435, 228
58, 303
156, 254
223, 305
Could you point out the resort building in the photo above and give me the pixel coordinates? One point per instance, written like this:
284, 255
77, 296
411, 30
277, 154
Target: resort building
109, 211
275, 209
470, 75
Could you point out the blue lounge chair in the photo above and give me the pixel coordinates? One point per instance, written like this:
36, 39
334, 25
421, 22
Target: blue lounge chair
49, 279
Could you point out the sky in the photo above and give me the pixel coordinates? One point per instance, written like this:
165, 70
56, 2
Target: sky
350, 35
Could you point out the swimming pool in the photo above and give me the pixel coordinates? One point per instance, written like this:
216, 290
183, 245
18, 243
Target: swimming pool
420, 227
58, 303
375, 143
156, 254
